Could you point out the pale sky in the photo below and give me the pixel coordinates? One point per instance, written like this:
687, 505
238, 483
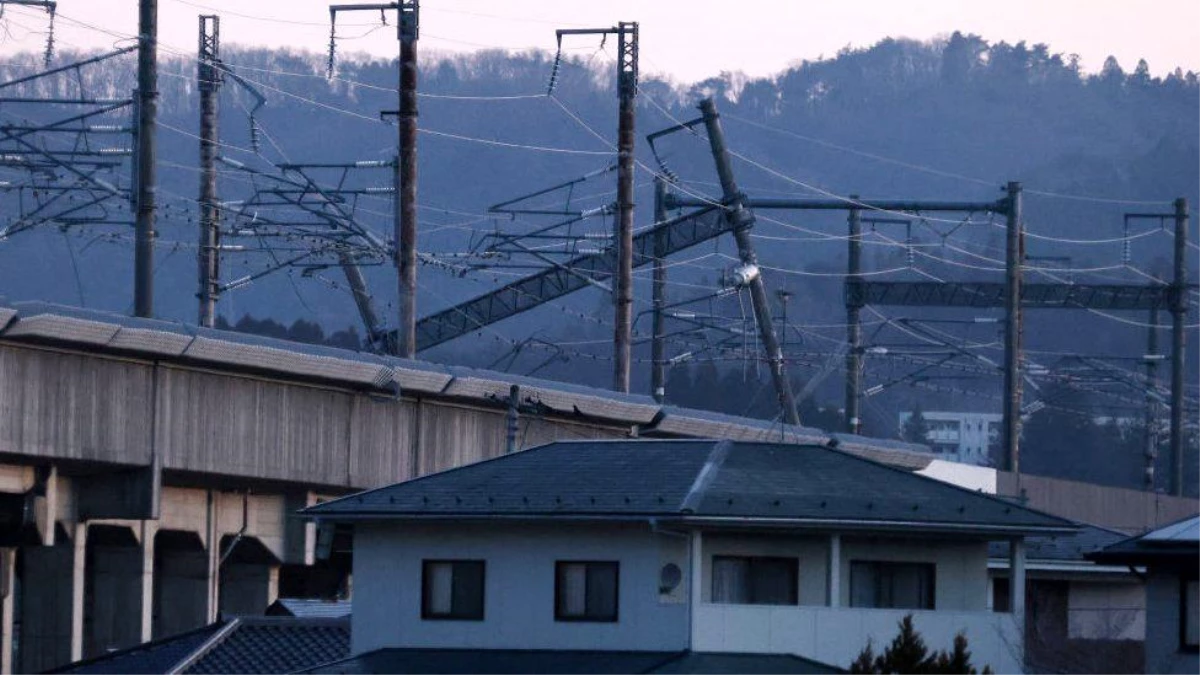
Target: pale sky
688, 39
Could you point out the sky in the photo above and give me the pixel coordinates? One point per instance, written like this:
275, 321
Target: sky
686, 40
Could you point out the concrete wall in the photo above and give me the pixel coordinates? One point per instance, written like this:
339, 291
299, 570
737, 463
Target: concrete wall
1106, 611
1163, 652
836, 635
519, 587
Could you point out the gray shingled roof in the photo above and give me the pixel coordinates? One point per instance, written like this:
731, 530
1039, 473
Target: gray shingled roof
453, 661
241, 645
699, 481
1062, 547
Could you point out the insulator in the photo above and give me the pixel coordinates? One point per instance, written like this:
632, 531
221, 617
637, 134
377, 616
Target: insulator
554, 71
255, 145
742, 275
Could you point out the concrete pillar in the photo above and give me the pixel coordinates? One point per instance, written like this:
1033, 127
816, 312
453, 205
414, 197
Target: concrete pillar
149, 534
48, 598
8, 573
696, 582
835, 570
1016, 583
78, 578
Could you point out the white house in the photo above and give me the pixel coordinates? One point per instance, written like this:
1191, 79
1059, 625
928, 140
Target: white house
686, 549
1171, 555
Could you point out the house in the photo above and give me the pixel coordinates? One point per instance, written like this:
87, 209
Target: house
1080, 617
699, 547
249, 644
1171, 555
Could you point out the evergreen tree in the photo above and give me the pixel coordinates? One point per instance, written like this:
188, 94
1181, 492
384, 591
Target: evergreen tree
916, 428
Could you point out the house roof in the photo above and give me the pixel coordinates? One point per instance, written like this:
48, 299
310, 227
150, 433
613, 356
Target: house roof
306, 608
567, 661
1175, 543
239, 645
693, 481
1070, 547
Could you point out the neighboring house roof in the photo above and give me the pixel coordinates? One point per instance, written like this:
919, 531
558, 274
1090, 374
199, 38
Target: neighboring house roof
306, 608
1176, 543
1062, 547
693, 481
452, 661
240, 645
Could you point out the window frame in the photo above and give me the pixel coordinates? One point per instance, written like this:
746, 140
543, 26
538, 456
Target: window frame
793, 569
587, 617
932, 567
1184, 645
427, 614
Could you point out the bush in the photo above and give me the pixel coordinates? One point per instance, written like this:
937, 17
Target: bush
908, 654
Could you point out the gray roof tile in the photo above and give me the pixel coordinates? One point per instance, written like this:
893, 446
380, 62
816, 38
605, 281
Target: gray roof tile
754, 482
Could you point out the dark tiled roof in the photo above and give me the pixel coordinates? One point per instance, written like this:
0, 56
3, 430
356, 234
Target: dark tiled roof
305, 608
158, 656
241, 645
498, 661
1062, 547
750, 483
276, 645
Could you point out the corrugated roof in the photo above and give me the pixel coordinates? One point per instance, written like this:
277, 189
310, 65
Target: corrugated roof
697, 481
455, 661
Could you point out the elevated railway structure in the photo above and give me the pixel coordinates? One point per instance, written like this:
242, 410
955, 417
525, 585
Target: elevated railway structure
150, 470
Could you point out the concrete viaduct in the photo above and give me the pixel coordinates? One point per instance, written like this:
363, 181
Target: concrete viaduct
149, 470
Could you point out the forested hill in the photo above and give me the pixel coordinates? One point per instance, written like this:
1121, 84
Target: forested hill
947, 119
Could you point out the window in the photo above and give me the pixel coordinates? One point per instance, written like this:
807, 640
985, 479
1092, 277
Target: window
891, 585
1189, 620
754, 580
452, 589
585, 591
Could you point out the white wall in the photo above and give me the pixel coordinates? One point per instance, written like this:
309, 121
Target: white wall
961, 567
1107, 610
836, 635
1162, 626
519, 587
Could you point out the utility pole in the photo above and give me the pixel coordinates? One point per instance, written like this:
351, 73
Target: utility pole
854, 352
658, 364
209, 80
405, 252
147, 115
741, 220
1151, 413
1013, 261
627, 77
1179, 307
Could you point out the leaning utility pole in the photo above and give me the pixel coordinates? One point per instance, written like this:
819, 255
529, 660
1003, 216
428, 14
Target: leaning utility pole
627, 75
854, 353
147, 114
405, 255
741, 220
209, 80
658, 352
1013, 262
1179, 307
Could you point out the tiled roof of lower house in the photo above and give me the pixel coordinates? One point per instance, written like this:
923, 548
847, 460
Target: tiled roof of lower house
1062, 547
307, 608
503, 661
1175, 543
694, 481
239, 645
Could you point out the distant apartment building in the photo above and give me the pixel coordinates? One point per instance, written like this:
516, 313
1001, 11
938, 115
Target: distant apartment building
960, 436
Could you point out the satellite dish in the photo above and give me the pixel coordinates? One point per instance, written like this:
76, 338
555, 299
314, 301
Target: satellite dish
669, 578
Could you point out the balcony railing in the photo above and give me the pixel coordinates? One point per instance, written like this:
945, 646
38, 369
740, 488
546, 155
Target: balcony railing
836, 635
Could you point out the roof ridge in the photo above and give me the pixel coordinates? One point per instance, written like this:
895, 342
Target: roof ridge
201, 651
